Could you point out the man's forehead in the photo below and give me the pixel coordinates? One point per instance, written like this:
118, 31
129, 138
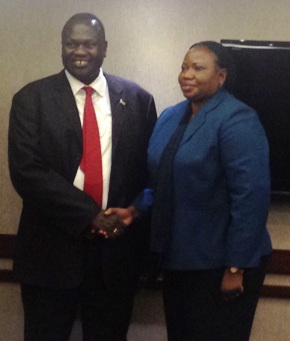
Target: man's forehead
81, 28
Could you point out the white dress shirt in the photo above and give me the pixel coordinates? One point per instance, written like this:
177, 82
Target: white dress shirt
101, 102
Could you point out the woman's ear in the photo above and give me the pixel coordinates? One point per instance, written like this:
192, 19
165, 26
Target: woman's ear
222, 76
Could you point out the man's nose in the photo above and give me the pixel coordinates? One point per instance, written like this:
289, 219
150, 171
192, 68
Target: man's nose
80, 49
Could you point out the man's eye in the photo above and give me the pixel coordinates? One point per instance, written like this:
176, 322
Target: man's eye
90, 45
70, 45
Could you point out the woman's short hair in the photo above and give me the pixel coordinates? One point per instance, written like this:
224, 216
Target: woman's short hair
223, 59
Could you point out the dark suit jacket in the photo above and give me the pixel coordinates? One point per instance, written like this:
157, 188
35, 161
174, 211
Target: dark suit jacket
45, 149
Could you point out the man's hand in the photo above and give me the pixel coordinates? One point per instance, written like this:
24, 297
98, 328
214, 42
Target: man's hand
232, 284
107, 225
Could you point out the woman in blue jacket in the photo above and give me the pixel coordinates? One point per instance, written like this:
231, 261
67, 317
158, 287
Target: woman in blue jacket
208, 158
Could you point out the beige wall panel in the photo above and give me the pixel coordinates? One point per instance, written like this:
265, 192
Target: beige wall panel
147, 41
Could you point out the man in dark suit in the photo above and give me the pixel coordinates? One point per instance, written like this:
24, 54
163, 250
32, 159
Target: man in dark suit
60, 264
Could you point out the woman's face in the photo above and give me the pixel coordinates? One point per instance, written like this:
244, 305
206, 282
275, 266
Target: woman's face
200, 76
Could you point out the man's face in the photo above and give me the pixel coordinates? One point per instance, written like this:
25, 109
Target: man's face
83, 52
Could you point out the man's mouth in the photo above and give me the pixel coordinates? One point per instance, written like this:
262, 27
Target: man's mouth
80, 63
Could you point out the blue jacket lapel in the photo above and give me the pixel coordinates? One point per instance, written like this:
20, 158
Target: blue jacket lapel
200, 117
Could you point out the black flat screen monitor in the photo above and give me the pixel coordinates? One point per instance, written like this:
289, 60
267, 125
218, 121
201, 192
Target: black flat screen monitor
263, 82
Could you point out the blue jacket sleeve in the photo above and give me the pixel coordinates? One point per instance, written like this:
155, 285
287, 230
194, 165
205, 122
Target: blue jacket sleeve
143, 201
245, 158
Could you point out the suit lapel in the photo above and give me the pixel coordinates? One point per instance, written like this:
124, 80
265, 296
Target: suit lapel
193, 126
200, 118
118, 106
65, 102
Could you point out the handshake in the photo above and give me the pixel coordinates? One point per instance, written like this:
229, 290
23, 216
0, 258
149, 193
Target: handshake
113, 222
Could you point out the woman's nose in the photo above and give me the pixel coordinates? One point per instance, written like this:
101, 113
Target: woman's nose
189, 73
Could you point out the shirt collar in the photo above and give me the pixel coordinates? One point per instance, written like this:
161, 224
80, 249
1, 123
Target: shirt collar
99, 84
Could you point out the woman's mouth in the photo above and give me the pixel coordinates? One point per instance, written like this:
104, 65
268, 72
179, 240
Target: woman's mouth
186, 87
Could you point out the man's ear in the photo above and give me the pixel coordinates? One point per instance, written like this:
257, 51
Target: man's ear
105, 48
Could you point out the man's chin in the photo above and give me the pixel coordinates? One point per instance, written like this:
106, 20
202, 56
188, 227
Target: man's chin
82, 74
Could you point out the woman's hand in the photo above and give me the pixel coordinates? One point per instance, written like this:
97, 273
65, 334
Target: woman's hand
232, 284
127, 215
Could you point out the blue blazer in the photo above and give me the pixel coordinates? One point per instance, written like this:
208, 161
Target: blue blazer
221, 185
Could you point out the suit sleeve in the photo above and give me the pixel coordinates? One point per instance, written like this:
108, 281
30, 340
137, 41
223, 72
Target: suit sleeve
151, 117
143, 201
45, 191
245, 158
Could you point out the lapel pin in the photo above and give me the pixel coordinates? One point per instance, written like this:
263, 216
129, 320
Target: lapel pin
122, 102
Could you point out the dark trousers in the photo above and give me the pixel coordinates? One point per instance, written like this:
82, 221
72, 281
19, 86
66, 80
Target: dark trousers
49, 313
195, 310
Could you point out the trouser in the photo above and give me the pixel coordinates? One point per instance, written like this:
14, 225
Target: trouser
49, 313
195, 310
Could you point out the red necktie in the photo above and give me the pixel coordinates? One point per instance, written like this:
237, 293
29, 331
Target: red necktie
91, 163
